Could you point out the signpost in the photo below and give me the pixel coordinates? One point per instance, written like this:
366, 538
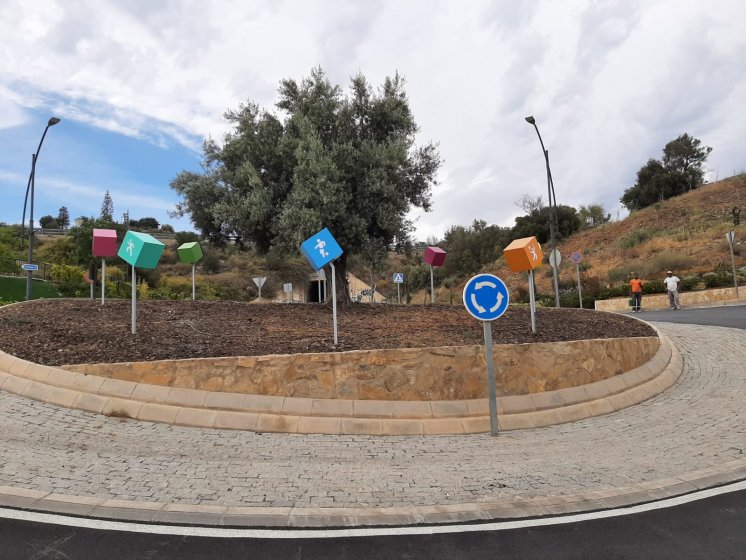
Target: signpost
259, 281
576, 258
731, 237
139, 250
322, 249
525, 254
104, 245
30, 266
398, 280
190, 253
555, 259
434, 256
486, 298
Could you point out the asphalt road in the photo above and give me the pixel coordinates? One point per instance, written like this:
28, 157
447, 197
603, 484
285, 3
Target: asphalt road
733, 316
704, 529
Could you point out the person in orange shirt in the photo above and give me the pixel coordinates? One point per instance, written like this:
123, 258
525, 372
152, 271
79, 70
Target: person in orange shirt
635, 288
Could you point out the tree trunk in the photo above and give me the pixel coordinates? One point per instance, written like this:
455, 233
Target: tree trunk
343, 289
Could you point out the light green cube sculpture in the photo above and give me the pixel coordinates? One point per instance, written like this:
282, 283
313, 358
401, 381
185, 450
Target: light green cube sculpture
189, 253
140, 250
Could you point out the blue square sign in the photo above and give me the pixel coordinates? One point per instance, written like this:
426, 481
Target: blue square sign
321, 249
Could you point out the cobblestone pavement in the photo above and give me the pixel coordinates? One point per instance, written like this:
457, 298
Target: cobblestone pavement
700, 422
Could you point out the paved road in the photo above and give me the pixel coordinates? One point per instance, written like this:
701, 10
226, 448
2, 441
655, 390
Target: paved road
705, 529
724, 316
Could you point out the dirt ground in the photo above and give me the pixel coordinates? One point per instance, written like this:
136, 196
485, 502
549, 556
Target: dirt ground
55, 332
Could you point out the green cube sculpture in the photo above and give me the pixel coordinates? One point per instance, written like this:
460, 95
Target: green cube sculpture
189, 252
140, 250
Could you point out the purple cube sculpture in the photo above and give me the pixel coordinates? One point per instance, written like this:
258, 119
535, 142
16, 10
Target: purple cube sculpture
104, 243
434, 256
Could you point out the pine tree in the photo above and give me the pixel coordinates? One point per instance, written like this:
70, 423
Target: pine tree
63, 217
107, 208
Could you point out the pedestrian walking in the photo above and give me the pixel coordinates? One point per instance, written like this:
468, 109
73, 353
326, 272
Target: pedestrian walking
635, 288
672, 285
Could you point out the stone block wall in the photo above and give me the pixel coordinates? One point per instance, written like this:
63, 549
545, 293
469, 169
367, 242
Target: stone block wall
410, 374
660, 301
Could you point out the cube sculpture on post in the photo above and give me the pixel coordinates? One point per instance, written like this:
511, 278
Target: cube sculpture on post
139, 250
104, 243
523, 254
434, 256
190, 253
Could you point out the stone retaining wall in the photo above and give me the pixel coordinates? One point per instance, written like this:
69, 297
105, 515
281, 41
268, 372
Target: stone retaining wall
660, 301
412, 374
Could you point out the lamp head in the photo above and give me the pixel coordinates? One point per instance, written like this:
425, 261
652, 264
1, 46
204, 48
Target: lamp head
530, 120
53, 121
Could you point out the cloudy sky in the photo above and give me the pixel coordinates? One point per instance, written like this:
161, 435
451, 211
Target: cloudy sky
139, 84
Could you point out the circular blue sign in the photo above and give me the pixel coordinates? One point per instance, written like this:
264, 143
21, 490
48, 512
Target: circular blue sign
486, 297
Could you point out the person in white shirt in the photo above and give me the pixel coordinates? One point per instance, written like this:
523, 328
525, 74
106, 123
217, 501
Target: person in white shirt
672, 284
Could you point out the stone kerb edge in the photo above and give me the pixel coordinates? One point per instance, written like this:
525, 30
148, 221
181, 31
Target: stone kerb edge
197, 408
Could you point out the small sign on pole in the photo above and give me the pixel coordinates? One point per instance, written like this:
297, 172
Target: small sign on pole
104, 245
486, 298
190, 253
525, 255
143, 250
398, 280
434, 256
259, 281
555, 258
29, 266
322, 249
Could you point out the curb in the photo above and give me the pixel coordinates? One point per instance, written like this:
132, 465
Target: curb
203, 409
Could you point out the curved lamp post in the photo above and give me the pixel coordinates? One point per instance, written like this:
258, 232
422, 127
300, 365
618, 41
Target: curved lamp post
553, 226
30, 188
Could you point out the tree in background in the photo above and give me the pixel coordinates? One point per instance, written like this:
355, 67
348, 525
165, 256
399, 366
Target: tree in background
679, 171
469, 249
592, 216
343, 161
63, 217
144, 223
529, 203
107, 208
48, 222
537, 223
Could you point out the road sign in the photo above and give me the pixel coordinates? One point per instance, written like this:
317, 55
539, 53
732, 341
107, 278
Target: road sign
321, 249
29, 266
398, 277
555, 258
287, 288
576, 257
486, 297
140, 250
260, 280
730, 236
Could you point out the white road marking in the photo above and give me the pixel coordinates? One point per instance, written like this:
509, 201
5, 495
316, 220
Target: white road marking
186, 531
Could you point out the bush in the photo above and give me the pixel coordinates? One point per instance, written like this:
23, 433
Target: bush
654, 287
616, 275
634, 239
689, 283
666, 260
714, 280
211, 263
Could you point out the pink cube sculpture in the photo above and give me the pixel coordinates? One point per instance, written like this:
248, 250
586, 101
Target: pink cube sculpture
104, 242
434, 256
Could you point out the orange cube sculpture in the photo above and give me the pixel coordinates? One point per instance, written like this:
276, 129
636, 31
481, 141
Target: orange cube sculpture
523, 254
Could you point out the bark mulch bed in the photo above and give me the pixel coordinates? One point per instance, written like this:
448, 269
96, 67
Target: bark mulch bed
56, 332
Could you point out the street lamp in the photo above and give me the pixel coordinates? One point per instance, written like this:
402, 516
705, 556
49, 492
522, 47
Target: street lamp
553, 226
30, 188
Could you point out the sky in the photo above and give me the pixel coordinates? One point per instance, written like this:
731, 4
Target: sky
139, 85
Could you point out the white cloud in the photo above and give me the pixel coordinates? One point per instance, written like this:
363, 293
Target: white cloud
609, 82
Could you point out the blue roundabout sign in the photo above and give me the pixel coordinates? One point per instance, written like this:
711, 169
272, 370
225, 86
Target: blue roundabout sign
486, 297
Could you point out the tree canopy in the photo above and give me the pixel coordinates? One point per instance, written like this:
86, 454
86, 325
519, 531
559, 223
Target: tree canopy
679, 170
343, 160
537, 223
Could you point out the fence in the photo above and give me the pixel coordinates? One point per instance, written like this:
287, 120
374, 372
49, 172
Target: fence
12, 267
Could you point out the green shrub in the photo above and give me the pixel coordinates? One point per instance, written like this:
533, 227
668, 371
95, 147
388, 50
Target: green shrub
616, 275
211, 264
714, 280
664, 261
633, 239
654, 287
690, 283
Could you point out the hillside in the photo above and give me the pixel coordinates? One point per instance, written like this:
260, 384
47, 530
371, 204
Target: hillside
685, 234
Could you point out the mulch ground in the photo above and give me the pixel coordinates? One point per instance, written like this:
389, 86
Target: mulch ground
56, 332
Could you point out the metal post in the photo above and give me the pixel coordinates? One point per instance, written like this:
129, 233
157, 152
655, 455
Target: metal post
732, 261
432, 287
103, 281
491, 384
532, 299
580, 288
134, 301
30, 273
194, 289
334, 301
398, 293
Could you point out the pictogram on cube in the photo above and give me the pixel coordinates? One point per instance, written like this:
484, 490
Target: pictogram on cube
523, 254
189, 252
104, 242
434, 256
140, 250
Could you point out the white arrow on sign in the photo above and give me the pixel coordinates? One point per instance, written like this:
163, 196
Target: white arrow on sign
485, 284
